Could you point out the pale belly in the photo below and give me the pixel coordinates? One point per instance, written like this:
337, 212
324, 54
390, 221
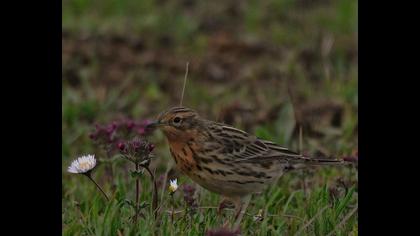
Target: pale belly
216, 178
231, 186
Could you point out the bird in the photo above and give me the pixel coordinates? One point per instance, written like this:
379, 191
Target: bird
226, 160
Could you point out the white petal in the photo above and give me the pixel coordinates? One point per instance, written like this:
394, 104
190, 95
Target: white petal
82, 164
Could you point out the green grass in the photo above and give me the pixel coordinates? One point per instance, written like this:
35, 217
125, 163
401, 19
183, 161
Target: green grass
127, 59
287, 210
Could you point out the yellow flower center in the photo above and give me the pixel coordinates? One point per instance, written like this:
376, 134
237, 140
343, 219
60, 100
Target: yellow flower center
172, 188
84, 165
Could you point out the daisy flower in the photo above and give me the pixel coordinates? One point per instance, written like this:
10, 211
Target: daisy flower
82, 164
259, 216
173, 185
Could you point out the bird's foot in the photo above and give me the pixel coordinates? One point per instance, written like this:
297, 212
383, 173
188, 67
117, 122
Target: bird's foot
225, 203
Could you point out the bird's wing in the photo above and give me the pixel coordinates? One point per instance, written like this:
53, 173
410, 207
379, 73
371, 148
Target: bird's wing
240, 146
236, 144
281, 151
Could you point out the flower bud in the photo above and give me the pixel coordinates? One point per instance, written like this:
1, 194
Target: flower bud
141, 130
121, 146
151, 147
93, 136
130, 124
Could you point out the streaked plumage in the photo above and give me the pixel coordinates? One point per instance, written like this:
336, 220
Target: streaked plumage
223, 159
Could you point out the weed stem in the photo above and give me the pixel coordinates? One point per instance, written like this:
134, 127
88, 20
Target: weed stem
155, 192
97, 185
137, 194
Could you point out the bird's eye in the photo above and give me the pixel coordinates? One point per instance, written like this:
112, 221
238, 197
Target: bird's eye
177, 120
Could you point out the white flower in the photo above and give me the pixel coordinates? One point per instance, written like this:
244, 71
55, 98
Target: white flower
82, 164
173, 186
259, 216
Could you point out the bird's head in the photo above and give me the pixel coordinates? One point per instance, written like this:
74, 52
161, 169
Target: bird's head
177, 123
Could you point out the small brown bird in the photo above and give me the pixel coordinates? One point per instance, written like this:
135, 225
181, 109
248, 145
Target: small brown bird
226, 160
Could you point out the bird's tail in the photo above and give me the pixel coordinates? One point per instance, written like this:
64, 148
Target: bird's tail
303, 162
298, 161
323, 161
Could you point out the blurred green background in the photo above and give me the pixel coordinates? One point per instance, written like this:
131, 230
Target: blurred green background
267, 67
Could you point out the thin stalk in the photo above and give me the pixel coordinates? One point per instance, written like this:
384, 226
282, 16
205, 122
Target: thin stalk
109, 168
155, 192
173, 208
185, 82
300, 139
137, 193
97, 185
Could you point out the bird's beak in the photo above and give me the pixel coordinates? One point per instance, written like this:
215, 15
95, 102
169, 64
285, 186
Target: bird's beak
154, 125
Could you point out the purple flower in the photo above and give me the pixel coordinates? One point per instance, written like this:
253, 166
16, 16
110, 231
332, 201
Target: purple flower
103, 134
130, 124
93, 136
136, 150
187, 188
141, 130
189, 199
151, 147
135, 144
121, 146
111, 136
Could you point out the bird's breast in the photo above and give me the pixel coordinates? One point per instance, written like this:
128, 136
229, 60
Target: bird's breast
183, 156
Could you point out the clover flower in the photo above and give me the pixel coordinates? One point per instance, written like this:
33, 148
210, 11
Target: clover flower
136, 150
109, 136
189, 199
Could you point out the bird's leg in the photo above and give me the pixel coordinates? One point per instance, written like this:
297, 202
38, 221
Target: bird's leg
241, 205
227, 202
222, 205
